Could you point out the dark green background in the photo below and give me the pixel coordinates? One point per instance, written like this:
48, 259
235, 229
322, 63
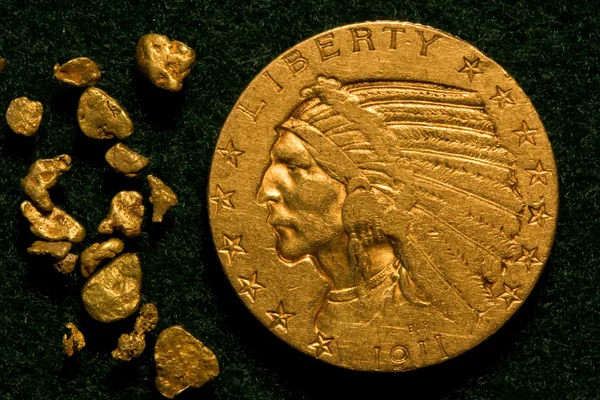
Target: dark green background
549, 350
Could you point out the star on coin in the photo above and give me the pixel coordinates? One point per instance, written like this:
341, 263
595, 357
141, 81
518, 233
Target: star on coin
529, 257
510, 295
503, 97
538, 174
471, 68
222, 199
280, 318
321, 346
525, 134
230, 153
250, 286
538, 213
232, 246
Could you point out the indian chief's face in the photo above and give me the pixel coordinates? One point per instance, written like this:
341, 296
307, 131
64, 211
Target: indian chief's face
305, 203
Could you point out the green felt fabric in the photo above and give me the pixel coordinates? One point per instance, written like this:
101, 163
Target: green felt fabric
549, 350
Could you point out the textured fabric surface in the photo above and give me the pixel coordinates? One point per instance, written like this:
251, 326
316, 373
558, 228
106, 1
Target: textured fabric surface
549, 350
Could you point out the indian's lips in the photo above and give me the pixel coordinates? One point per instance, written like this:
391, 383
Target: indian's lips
278, 222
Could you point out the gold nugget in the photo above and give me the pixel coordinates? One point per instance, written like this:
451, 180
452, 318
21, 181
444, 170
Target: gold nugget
164, 62
126, 214
102, 117
162, 197
67, 264
80, 72
24, 116
56, 226
182, 361
132, 345
2, 64
114, 292
125, 161
74, 342
55, 249
42, 175
93, 255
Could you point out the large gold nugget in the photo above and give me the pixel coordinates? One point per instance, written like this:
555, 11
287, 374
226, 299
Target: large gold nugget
125, 161
24, 116
96, 253
56, 226
126, 214
182, 361
164, 62
67, 264
132, 345
80, 72
102, 117
54, 249
162, 197
383, 196
114, 292
73, 342
42, 175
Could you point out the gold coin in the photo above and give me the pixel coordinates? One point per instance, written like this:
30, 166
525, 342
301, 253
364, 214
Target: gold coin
383, 196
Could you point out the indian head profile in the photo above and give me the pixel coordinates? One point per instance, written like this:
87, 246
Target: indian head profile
402, 196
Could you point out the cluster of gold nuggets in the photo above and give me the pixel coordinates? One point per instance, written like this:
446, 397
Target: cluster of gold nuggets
114, 291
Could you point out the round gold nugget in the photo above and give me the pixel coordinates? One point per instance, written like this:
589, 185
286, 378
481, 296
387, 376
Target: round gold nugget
102, 117
24, 116
383, 196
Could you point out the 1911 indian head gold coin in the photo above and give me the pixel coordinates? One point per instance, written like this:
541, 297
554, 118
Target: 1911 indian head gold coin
383, 196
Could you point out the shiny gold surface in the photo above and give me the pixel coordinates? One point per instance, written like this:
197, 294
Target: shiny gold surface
126, 214
114, 292
98, 252
383, 196
165, 62
67, 264
54, 249
182, 361
42, 175
162, 197
55, 226
102, 117
125, 161
132, 345
73, 342
24, 116
80, 72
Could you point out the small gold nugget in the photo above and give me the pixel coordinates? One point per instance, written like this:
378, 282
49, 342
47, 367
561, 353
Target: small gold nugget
2, 64
80, 72
55, 249
74, 342
162, 197
114, 292
125, 161
42, 175
126, 214
164, 62
67, 264
182, 361
56, 226
132, 345
102, 117
93, 255
24, 116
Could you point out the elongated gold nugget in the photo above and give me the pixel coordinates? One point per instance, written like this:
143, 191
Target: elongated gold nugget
182, 361
67, 264
79, 72
102, 117
165, 62
125, 161
42, 175
114, 292
96, 253
386, 196
54, 249
132, 345
73, 342
162, 197
56, 226
2, 64
126, 214
24, 116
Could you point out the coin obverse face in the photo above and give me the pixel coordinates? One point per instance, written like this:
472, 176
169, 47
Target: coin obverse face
383, 196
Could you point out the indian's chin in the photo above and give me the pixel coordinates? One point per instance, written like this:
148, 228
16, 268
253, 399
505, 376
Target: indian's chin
289, 249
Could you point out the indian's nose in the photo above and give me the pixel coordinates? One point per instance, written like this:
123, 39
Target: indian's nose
267, 191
